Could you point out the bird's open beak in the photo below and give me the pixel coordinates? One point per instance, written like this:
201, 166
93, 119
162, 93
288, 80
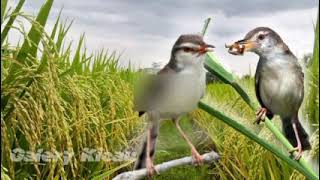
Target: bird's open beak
206, 48
239, 47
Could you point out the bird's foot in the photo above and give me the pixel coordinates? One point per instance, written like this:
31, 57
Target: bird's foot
260, 115
197, 158
299, 152
150, 168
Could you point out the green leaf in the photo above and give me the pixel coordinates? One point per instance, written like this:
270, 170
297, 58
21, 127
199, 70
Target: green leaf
237, 126
205, 27
63, 30
109, 172
12, 18
35, 33
213, 66
76, 63
76, 66
3, 8
34, 36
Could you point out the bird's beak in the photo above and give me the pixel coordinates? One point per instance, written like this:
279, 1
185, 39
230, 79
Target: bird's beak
206, 48
239, 47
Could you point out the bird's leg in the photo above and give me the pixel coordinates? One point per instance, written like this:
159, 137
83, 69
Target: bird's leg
299, 147
260, 115
149, 162
195, 154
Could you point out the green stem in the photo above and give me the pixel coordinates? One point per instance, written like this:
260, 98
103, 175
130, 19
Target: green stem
234, 124
205, 26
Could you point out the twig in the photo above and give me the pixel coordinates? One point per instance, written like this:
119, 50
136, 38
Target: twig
138, 174
205, 26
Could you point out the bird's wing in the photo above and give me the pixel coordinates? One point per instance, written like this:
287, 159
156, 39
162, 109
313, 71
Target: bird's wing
152, 91
299, 72
257, 85
301, 78
257, 90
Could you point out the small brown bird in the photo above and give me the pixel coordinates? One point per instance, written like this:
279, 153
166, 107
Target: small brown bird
278, 82
173, 92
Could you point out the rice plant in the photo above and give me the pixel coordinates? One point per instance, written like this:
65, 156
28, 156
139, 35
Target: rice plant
58, 102
311, 103
57, 96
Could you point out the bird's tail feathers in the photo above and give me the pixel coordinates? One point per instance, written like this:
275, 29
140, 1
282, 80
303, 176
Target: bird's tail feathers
290, 135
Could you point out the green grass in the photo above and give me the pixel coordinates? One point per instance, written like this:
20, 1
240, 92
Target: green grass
172, 146
311, 102
55, 100
60, 102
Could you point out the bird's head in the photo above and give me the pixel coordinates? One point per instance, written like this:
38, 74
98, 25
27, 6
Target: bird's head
189, 49
262, 41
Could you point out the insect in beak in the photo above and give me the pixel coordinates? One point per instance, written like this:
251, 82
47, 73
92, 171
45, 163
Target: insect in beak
239, 47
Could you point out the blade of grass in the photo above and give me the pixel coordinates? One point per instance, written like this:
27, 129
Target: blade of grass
237, 126
313, 84
63, 30
34, 34
109, 172
205, 27
76, 62
41, 67
76, 66
3, 8
12, 18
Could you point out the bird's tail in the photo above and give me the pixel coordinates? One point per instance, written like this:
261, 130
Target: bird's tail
141, 160
290, 135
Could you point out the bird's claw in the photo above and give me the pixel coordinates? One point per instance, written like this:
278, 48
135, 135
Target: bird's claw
150, 168
299, 152
260, 115
197, 158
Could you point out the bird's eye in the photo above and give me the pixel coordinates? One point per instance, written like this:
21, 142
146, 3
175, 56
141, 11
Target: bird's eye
261, 37
187, 49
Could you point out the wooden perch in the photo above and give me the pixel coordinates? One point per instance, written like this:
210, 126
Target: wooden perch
138, 174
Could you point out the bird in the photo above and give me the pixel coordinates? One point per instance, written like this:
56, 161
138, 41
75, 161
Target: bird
279, 83
173, 92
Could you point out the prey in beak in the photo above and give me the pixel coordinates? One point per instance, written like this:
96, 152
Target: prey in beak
239, 47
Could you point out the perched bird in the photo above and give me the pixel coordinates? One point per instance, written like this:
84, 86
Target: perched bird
174, 91
278, 82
